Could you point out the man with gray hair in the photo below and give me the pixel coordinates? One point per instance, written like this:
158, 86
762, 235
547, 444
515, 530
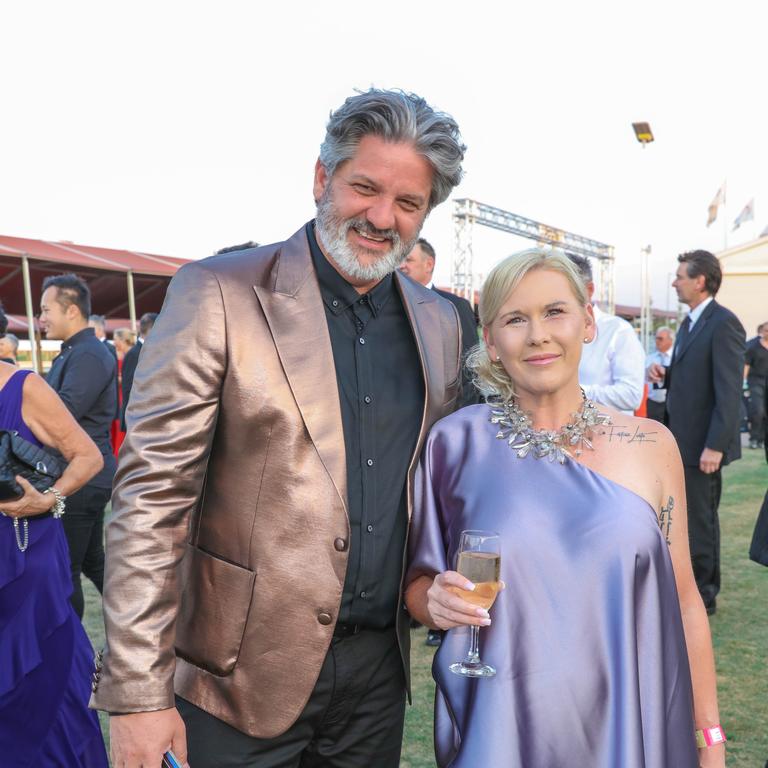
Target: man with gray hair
657, 394
612, 368
255, 552
9, 349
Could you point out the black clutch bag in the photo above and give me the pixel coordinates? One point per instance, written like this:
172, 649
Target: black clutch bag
37, 466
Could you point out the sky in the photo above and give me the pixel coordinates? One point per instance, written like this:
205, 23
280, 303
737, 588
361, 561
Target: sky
179, 128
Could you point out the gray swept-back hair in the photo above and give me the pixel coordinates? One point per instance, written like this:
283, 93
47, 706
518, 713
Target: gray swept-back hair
397, 116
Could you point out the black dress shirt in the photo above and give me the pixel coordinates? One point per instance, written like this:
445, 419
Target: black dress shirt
381, 391
83, 375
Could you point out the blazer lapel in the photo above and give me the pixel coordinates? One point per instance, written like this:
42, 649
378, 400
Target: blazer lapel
295, 314
424, 316
695, 331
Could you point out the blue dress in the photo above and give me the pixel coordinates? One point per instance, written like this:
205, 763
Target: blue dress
46, 658
587, 639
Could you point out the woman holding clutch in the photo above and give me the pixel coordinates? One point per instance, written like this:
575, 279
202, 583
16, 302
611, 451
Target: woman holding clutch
46, 659
600, 640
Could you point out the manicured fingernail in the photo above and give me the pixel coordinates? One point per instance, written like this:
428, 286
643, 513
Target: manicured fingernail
485, 623
469, 586
483, 613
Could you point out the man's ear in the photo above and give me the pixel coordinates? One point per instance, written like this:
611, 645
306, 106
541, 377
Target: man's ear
320, 181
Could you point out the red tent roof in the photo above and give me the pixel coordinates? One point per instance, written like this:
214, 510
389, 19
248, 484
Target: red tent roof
89, 256
104, 269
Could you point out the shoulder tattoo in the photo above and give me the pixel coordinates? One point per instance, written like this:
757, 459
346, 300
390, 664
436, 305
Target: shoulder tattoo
665, 518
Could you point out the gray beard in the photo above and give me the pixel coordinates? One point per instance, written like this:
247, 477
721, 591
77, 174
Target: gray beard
332, 233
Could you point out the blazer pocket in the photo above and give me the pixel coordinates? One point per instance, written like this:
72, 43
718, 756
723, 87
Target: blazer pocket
215, 598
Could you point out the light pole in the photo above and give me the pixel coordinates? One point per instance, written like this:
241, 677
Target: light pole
644, 135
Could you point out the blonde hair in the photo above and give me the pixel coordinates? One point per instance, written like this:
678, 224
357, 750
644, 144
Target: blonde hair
126, 335
490, 376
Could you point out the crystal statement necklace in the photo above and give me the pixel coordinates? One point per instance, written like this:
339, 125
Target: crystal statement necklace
517, 429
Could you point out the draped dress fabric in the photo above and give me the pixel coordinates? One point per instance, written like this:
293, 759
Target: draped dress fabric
46, 658
587, 638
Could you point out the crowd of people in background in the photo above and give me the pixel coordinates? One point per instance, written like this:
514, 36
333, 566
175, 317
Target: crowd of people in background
283, 441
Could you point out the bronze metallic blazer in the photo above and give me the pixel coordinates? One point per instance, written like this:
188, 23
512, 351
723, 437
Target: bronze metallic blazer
224, 574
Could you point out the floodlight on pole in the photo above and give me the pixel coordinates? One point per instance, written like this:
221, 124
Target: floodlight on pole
643, 133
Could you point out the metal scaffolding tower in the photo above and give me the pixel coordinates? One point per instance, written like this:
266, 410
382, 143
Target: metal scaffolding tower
467, 213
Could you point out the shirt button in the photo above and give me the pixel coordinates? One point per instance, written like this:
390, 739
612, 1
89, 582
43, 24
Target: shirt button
335, 303
324, 618
369, 462
361, 340
340, 545
363, 595
370, 529
368, 399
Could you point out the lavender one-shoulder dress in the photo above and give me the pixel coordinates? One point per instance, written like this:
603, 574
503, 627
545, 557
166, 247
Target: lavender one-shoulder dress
587, 638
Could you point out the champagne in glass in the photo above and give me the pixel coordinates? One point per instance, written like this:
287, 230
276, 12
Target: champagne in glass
478, 560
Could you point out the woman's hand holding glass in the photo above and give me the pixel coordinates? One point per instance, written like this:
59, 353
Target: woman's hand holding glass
447, 609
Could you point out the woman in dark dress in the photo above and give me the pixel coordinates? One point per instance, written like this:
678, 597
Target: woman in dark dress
600, 640
46, 659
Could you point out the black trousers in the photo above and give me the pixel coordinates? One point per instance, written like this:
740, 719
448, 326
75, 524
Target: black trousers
757, 410
703, 495
84, 525
655, 410
353, 719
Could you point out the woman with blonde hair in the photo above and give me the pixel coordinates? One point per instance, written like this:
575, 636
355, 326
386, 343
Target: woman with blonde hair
600, 640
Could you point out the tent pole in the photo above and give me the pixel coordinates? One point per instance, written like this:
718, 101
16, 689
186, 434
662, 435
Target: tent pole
131, 300
30, 313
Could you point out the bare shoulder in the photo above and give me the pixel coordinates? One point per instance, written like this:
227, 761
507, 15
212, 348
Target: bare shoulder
634, 430
641, 453
38, 394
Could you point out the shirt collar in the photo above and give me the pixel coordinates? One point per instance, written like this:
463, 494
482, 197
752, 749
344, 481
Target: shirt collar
78, 338
695, 314
338, 295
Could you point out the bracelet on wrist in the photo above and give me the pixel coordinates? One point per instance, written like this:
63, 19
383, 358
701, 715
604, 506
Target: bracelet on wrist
57, 510
708, 737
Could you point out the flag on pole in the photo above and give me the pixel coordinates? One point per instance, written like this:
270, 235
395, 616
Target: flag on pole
715, 204
747, 214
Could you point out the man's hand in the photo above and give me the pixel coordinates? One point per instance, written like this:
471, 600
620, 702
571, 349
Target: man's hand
138, 740
656, 373
447, 609
710, 461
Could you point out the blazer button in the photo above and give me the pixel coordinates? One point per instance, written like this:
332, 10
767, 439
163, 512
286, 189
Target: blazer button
324, 618
340, 545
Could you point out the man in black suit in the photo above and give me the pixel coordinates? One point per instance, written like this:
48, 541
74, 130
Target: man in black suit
419, 265
703, 385
131, 360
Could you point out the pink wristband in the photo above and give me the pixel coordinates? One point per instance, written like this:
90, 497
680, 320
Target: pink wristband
708, 737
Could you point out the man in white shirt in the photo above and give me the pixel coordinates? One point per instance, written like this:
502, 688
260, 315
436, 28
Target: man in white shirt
657, 395
612, 368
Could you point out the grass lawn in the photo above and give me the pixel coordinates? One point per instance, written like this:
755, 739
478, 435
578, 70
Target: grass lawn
739, 630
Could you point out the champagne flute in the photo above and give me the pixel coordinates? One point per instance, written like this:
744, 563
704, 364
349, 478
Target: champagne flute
479, 560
